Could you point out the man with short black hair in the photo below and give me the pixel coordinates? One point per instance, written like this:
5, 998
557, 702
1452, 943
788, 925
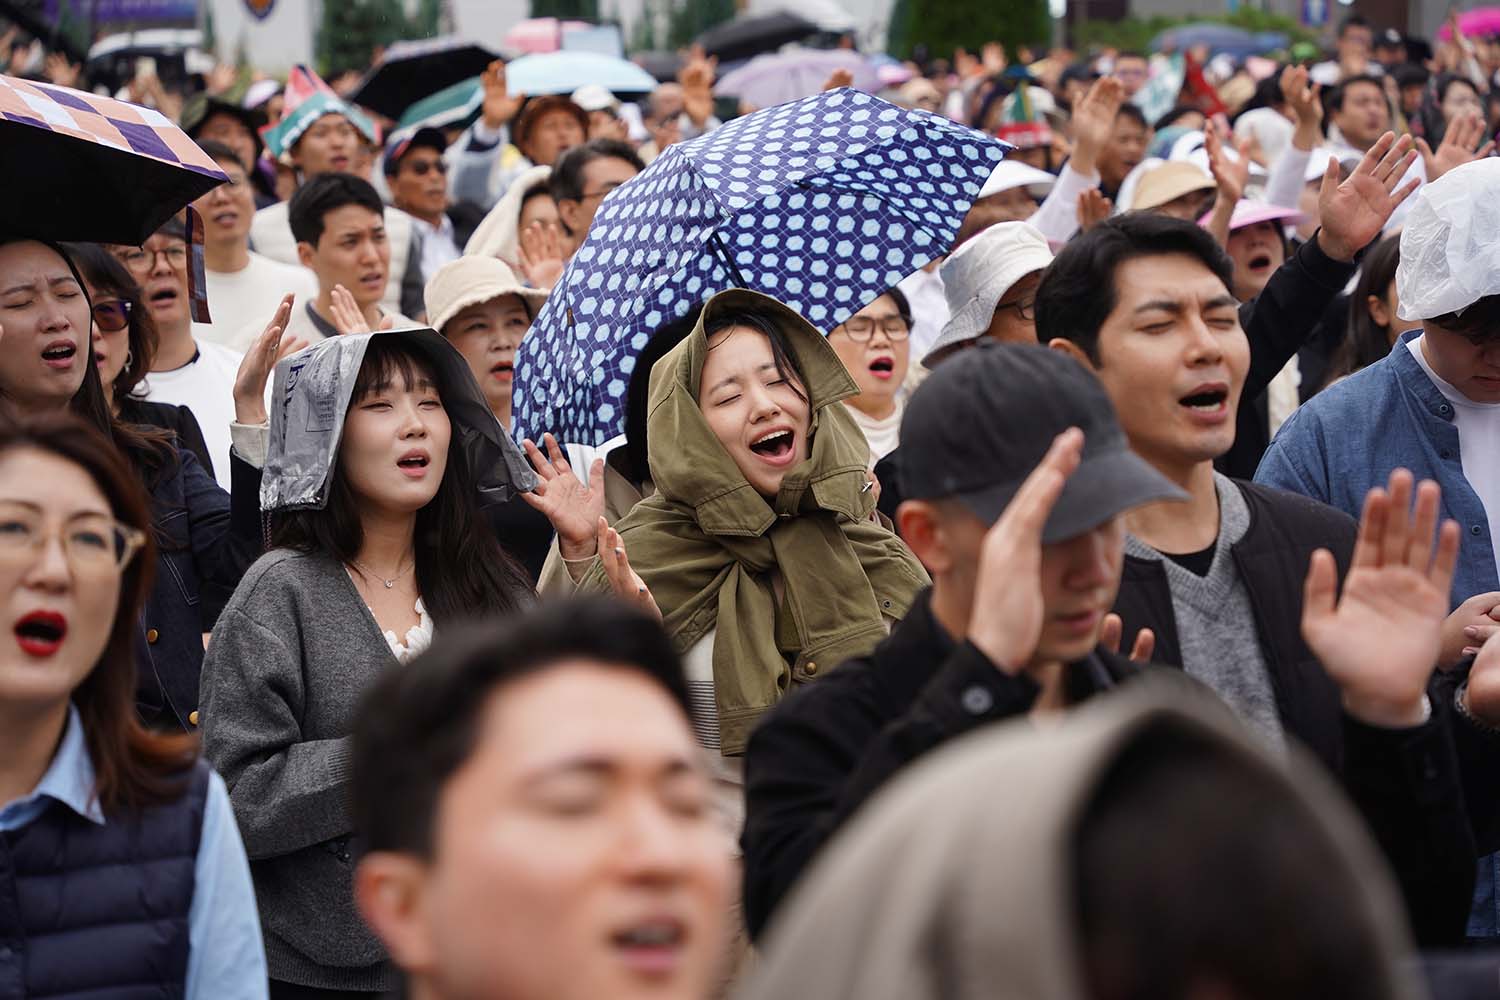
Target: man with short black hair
1355, 41
581, 180
339, 223
244, 288
1021, 522
564, 730
1133, 72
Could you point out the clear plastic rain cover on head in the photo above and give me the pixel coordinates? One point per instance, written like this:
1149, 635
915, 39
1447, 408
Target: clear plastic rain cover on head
311, 397
1450, 246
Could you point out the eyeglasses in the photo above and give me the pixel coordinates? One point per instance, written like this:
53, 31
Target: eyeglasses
92, 543
423, 167
139, 260
861, 328
1025, 308
112, 315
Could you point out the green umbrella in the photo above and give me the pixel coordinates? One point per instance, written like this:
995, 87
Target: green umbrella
455, 106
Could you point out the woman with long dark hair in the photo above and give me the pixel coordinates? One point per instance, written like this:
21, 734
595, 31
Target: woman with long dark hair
1373, 323
206, 539
88, 797
378, 540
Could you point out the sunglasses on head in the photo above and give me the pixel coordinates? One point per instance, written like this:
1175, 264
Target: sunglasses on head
112, 315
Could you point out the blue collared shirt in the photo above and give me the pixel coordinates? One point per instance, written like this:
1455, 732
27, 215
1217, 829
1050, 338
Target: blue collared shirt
1348, 438
226, 958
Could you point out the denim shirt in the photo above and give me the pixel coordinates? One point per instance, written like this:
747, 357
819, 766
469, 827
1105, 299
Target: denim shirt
226, 960
1347, 439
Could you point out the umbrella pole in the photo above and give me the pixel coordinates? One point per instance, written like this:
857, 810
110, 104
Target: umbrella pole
728, 259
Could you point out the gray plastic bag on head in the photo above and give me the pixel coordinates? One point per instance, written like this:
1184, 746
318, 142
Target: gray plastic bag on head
311, 398
1450, 246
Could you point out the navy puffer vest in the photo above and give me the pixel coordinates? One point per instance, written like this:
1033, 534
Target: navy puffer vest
90, 910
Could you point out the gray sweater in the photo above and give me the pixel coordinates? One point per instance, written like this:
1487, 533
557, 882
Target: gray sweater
291, 655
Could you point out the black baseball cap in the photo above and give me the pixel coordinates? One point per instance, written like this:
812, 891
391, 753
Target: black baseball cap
983, 420
426, 137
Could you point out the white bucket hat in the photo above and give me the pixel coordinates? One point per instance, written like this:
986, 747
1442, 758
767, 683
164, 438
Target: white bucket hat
471, 280
1010, 174
977, 276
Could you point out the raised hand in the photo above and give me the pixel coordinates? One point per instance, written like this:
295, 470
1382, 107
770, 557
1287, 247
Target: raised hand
59, 69
1113, 630
1230, 173
347, 317
1457, 147
540, 255
499, 106
1094, 122
1353, 213
840, 77
992, 56
1302, 99
697, 80
258, 363
1093, 208
624, 581
1381, 639
1469, 627
574, 508
1009, 588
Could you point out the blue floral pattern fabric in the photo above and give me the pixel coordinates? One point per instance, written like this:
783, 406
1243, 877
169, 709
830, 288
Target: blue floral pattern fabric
822, 203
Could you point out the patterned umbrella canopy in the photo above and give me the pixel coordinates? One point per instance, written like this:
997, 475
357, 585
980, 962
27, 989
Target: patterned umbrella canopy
82, 167
823, 203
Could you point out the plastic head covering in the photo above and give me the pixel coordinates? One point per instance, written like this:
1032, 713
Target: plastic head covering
933, 891
310, 400
1450, 247
1024, 125
499, 235
308, 98
1165, 138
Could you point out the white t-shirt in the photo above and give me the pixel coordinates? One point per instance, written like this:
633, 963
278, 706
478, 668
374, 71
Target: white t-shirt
204, 385
242, 302
881, 435
1478, 442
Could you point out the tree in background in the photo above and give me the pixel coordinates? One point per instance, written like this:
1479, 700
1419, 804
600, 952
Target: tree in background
576, 10
353, 29
945, 25
687, 19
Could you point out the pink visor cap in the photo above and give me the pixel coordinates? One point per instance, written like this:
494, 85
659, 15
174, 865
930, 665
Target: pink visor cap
1248, 213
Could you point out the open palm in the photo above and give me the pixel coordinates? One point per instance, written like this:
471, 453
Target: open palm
1381, 639
573, 507
1353, 213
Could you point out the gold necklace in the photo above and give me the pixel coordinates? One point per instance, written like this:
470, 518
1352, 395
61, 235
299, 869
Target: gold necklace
388, 583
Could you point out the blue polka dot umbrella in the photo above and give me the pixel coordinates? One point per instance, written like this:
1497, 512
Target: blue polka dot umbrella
823, 203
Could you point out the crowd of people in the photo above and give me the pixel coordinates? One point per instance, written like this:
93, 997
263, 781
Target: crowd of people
1108, 609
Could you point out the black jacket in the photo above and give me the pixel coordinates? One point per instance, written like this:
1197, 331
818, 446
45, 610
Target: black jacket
1404, 804
828, 747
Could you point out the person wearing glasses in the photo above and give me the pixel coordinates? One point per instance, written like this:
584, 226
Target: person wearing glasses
244, 287
580, 181
124, 343
206, 538
418, 178
88, 797
874, 345
184, 370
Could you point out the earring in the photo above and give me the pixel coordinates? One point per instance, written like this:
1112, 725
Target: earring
128, 358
